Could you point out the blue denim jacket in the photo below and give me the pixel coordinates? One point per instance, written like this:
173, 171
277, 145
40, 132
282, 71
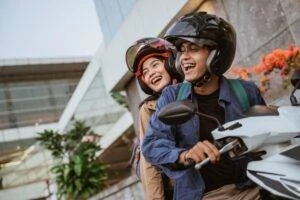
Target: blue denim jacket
163, 143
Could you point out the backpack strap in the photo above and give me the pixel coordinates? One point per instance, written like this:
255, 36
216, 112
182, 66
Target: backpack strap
240, 93
183, 89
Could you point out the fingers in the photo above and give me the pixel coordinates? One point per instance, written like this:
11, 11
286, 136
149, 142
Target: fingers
212, 151
202, 150
198, 152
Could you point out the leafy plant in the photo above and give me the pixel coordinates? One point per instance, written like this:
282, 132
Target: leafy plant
119, 98
76, 174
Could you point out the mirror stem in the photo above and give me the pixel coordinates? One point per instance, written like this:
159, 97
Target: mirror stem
220, 127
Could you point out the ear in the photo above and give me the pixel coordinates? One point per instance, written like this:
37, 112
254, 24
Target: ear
210, 65
178, 67
171, 60
172, 68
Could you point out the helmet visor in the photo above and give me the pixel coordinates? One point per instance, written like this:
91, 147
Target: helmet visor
182, 28
198, 41
155, 44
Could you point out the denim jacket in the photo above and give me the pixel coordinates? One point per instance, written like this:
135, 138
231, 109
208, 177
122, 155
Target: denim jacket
163, 143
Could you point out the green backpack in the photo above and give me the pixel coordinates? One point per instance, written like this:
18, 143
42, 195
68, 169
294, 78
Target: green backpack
235, 84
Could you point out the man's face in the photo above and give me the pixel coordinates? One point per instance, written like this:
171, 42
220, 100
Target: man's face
192, 60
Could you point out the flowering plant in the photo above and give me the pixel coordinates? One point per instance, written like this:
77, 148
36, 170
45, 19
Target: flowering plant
278, 61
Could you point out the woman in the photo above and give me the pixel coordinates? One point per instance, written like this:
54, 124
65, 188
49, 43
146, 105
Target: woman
150, 59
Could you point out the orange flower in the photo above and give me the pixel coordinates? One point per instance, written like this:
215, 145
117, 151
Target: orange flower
243, 73
283, 60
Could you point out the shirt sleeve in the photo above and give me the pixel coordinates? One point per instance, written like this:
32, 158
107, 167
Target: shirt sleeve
150, 176
159, 145
255, 95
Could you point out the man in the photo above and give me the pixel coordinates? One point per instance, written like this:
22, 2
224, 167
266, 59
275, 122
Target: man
206, 47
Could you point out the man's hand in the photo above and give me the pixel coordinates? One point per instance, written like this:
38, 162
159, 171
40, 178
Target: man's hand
200, 151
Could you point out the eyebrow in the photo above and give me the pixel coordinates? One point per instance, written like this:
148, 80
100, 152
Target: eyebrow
144, 69
186, 44
155, 60
151, 63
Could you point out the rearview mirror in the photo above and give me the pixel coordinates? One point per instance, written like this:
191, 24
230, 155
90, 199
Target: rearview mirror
295, 80
177, 112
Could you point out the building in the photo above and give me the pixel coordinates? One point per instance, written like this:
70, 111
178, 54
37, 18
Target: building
33, 95
39, 94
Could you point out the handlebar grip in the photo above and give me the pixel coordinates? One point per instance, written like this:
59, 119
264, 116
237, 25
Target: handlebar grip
189, 163
202, 163
182, 166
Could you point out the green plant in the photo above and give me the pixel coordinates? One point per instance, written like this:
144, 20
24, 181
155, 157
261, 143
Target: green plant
76, 174
119, 98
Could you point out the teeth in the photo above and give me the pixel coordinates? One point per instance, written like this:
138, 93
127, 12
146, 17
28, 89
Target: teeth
187, 66
155, 80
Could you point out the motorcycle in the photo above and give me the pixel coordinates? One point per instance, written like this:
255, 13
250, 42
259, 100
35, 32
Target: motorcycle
272, 131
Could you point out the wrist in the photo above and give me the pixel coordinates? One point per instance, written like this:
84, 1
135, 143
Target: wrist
182, 157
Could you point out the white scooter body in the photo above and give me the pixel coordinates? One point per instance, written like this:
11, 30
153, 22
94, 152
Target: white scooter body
279, 171
279, 174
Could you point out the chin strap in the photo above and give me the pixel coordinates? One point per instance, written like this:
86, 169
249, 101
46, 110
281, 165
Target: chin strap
207, 75
202, 80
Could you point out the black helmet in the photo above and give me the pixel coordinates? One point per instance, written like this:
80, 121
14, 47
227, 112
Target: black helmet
145, 48
206, 29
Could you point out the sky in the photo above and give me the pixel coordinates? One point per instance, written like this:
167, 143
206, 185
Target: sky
48, 29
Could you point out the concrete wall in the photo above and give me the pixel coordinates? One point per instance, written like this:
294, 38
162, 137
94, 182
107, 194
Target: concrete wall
30, 191
135, 95
262, 26
128, 189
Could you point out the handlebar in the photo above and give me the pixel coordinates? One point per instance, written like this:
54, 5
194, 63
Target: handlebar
231, 145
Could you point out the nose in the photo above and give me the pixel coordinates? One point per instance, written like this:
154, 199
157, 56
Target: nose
185, 55
151, 73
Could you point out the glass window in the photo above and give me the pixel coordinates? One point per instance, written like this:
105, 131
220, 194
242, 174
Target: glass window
126, 6
28, 103
111, 15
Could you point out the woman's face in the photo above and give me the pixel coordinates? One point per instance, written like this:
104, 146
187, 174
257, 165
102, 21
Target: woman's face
154, 74
193, 60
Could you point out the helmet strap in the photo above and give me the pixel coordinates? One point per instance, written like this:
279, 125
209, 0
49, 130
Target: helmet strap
207, 75
202, 80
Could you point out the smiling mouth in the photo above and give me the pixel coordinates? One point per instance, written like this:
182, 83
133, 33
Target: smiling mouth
188, 66
156, 80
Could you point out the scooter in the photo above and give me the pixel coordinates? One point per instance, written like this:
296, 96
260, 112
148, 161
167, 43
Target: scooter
275, 132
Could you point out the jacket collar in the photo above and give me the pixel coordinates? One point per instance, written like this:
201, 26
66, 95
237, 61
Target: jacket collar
225, 91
